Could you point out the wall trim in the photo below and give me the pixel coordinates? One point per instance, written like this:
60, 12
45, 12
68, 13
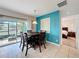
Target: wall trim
53, 43
47, 13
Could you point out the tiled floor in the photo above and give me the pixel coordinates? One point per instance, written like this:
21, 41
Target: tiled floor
70, 41
52, 51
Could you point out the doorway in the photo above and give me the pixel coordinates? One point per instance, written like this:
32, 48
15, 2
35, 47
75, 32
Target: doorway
68, 31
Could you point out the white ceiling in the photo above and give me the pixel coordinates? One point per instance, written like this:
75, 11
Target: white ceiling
42, 6
28, 6
70, 9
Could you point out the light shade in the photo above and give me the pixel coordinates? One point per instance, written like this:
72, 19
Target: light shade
34, 22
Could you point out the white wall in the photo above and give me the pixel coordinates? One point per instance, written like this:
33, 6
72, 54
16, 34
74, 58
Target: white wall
70, 23
34, 25
11, 13
31, 26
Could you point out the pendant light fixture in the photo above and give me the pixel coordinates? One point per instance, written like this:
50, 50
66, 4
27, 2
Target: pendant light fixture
34, 22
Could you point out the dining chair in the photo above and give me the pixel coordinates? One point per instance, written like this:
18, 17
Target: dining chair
22, 38
37, 41
25, 38
29, 42
42, 40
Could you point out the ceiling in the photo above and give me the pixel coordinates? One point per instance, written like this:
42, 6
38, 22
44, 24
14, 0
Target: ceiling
28, 6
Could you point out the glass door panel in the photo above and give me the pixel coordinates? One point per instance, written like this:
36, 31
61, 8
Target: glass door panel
19, 28
12, 31
3, 30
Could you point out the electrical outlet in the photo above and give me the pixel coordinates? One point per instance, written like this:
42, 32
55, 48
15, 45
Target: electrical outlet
56, 40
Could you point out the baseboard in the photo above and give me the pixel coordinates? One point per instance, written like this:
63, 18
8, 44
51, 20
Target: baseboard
9, 44
53, 43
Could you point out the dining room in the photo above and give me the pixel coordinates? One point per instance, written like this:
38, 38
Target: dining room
47, 31
37, 34
32, 28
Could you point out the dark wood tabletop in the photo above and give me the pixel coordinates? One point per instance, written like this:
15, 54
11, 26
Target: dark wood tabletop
32, 33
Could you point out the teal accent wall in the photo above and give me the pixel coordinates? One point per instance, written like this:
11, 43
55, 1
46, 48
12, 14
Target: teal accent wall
55, 29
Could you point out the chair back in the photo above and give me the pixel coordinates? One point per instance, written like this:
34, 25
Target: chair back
42, 35
25, 37
22, 37
29, 31
42, 31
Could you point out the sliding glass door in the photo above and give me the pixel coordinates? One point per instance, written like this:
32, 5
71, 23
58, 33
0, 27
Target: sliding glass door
10, 31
